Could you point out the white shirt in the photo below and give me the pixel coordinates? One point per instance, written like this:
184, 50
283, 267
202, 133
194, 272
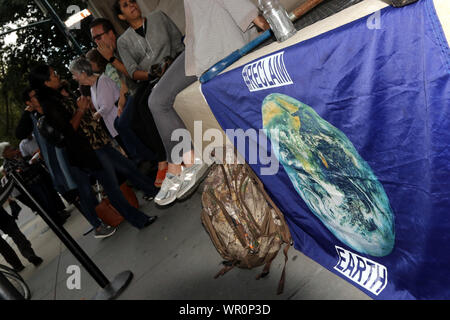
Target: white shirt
104, 95
28, 147
214, 29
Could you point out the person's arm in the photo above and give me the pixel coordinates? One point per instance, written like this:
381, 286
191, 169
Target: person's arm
175, 33
123, 98
141, 75
107, 53
243, 12
129, 62
83, 104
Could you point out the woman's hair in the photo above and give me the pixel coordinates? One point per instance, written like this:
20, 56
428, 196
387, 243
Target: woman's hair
80, 65
94, 55
26, 94
116, 7
38, 75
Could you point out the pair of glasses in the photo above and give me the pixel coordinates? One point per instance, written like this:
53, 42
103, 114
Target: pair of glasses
98, 36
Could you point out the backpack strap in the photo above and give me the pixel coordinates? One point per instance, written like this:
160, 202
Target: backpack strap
225, 270
285, 233
231, 222
253, 226
283, 273
266, 269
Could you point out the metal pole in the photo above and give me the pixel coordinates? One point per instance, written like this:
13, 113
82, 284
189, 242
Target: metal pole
8, 291
44, 6
110, 290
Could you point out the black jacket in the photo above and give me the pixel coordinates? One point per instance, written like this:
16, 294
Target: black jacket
25, 126
5, 218
79, 151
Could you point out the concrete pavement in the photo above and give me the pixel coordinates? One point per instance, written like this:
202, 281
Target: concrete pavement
171, 259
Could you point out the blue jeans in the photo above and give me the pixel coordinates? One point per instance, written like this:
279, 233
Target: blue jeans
112, 161
134, 147
88, 201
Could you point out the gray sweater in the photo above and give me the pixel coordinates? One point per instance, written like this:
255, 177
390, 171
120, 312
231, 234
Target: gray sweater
162, 38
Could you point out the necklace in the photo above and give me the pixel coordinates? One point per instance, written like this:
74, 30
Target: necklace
144, 25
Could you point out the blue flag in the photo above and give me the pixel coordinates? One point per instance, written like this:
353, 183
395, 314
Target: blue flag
358, 120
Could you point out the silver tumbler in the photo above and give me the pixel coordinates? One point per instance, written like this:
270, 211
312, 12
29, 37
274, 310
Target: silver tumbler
278, 19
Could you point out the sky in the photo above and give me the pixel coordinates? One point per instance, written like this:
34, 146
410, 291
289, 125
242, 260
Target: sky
11, 38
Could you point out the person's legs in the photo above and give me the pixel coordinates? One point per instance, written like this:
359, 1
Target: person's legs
88, 202
138, 132
126, 167
49, 201
54, 197
10, 255
143, 124
161, 100
108, 179
26, 201
23, 244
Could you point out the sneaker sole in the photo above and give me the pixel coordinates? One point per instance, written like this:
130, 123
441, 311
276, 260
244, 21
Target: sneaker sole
165, 202
105, 235
191, 190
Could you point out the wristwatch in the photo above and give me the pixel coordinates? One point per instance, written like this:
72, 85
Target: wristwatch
112, 59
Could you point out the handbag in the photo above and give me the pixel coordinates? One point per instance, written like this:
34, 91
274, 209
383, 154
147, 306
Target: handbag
130, 195
106, 211
108, 214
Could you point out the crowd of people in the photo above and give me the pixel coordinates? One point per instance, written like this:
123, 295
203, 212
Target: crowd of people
122, 113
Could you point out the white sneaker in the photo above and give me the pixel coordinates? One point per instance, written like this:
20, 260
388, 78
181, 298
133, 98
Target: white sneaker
169, 189
191, 178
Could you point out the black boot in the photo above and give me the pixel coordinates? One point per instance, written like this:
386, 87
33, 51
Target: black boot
36, 260
19, 268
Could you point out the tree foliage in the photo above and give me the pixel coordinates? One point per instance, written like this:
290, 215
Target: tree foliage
41, 43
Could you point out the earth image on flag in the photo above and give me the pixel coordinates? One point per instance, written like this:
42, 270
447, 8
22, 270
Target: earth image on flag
338, 186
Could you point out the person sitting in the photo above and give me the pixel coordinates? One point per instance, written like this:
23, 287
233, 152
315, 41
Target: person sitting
89, 151
225, 27
136, 119
135, 148
147, 42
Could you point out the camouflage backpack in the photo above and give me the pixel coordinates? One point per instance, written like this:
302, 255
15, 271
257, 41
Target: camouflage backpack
244, 224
